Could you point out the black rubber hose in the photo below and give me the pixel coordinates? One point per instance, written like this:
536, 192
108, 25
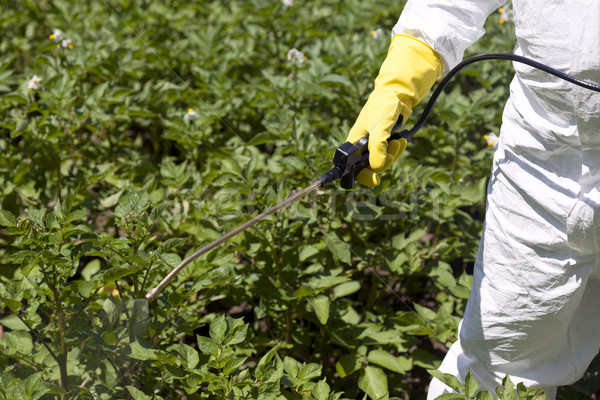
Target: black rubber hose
492, 56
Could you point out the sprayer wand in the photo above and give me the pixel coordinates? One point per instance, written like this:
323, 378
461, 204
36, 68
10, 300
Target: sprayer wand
351, 158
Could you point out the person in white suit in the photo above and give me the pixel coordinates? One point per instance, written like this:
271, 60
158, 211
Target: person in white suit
534, 307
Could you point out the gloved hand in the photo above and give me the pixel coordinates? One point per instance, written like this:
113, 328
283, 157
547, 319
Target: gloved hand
407, 74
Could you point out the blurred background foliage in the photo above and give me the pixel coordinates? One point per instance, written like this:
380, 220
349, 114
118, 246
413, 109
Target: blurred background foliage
159, 126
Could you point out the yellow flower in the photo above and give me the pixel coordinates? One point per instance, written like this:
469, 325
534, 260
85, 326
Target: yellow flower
491, 139
190, 115
377, 33
57, 35
506, 15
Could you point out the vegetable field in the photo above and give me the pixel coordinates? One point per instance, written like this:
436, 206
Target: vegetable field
134, 132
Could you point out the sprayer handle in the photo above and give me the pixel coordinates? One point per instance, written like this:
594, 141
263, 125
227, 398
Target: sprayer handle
351, 158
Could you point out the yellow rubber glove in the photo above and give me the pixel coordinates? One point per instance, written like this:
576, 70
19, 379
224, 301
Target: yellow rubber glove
407, 74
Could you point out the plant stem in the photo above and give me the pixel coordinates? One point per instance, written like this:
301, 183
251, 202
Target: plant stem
64, 377
34, 333
72, 320
288, 325
58, 183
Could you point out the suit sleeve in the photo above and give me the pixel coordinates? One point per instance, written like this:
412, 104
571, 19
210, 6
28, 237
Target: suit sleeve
448, 26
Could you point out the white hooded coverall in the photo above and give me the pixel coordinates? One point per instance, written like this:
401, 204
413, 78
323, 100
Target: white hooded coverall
534, 309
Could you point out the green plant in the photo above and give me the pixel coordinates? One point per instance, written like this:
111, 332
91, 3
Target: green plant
107, 181
470, 389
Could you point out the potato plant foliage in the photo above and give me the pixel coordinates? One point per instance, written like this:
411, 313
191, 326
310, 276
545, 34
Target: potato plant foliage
152, 128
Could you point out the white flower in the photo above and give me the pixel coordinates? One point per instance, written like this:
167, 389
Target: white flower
296, 55
288, 3
492, 140
506, 15
66, 43
34, 83
190, 115
57, 35
377, 33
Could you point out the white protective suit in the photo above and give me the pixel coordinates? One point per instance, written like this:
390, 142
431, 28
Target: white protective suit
534, 310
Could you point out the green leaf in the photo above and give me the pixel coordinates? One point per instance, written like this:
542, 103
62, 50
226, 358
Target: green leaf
290, 366
337, 78
189, 356
309, 371
307, 252
218, 328
37, 216
142, 113
373, 382
346, 289
171, 259
58, 210
399, 242
112, 200
236, 335
232, 364
140, 201
426, 313
535, 393
508, 389
13, 322
91, 269
269, 356
19, 128
384, 359
447, 379
137, 394
12, 294
44, 388
7, 378
450, 396
229, 165
116, 273
76, 215
68, 203
15, 97
425, 359
321, 390
27, 258
157, 211
207, 346
471, 385
170, 244
140, 352
16, 342
270, 371
321, 306
262, 138
348, 364
268, 391
485, 395
27, 389
338, 248
7, 219
86, 288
